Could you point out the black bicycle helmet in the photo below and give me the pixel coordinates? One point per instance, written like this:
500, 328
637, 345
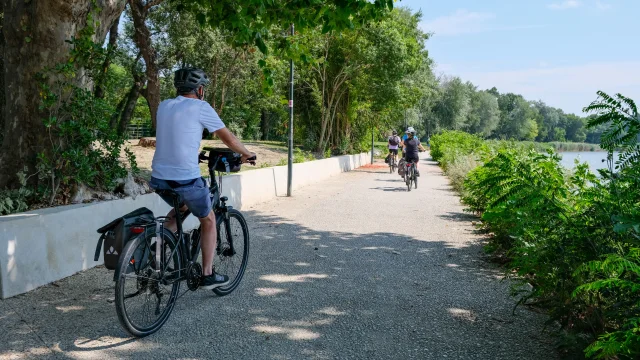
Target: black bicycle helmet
394, 132
188, 79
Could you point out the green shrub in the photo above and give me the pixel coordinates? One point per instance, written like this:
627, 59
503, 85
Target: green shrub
13, 201
87, 149
300, 156
573, 236
450, 144
459, 168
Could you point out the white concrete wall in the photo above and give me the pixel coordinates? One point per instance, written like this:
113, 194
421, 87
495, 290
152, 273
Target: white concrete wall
41, 246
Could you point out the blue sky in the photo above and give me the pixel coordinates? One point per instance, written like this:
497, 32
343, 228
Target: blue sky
557, 51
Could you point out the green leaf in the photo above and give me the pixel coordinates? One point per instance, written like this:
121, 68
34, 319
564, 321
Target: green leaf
201, 18
259, 42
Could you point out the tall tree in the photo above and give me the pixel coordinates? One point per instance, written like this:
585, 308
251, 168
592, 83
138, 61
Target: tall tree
35, 37
452, 107
111, 48
36, 34
142, 36
484, 113
575, 128
2, 93
517, 118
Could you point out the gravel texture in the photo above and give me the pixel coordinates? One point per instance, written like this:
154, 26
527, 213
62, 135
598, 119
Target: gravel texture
354, 267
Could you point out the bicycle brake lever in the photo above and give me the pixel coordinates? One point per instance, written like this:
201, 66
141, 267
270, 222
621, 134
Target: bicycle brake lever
202, 157
252, 160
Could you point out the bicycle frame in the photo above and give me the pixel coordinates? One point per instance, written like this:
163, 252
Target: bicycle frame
410, 165
219, 207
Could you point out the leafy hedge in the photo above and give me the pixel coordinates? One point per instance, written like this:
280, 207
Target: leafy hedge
572, 235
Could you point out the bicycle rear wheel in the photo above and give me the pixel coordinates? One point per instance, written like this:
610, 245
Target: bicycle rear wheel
144, 298
232, 251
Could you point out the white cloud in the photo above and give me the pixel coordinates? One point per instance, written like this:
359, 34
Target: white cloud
461, 22
602, 6
569, 87
567, 4
465, 22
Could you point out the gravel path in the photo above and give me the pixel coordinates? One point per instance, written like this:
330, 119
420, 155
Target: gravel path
355, 267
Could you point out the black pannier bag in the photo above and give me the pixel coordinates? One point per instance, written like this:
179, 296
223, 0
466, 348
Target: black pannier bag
116, 234
402, 167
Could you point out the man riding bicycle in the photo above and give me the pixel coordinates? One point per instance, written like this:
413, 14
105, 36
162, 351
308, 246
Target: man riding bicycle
411, 146
180, 123
393, 143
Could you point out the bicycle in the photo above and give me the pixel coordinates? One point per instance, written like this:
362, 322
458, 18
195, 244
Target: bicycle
392, 163
410, 177
153, 265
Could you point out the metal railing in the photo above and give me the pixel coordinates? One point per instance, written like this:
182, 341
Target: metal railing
137, 131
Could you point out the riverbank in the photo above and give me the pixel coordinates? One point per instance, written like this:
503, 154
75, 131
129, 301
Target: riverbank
566, 237
559, 146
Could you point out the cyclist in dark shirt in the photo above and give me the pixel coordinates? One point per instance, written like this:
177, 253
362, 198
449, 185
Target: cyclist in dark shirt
411, 148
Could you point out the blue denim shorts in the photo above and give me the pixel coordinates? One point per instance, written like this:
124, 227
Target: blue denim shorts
193, 193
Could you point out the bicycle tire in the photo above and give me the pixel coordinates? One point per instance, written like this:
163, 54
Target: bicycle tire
221, 258
136, 249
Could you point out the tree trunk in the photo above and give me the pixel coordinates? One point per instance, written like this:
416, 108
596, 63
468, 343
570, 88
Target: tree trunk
34, 38
111, 48
2, 97
127, 112
264, 125
142, 38
115, 119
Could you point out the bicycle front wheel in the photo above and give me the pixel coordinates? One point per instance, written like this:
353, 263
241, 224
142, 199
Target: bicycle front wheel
232, 251
415, 179
144, 297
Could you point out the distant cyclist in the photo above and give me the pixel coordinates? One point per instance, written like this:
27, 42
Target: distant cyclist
412, 146
393, 143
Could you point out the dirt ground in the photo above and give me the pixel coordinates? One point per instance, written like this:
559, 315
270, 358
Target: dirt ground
269, 154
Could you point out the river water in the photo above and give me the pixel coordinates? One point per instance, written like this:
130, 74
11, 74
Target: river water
593, 158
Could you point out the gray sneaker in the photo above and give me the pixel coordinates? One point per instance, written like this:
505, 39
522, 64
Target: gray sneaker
213, 281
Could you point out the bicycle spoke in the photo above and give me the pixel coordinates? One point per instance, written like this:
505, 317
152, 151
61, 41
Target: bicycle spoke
231, 263
146, 296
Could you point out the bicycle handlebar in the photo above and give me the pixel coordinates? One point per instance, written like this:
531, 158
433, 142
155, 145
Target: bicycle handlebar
202, 157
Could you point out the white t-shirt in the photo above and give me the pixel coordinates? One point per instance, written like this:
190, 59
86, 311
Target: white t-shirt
393, 147
179, 129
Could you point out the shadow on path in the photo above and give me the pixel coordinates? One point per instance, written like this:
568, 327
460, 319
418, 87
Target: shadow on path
306, 294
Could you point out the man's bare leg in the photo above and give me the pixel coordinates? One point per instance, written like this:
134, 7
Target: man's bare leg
208, 237
172, 224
